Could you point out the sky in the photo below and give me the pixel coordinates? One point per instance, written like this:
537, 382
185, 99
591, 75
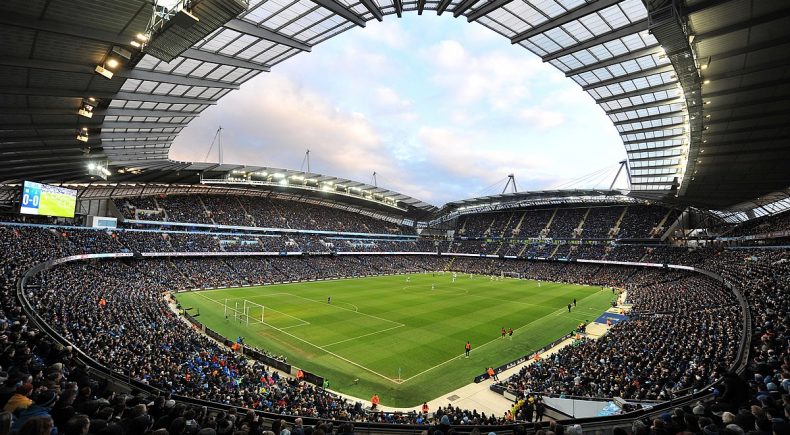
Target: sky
439, 108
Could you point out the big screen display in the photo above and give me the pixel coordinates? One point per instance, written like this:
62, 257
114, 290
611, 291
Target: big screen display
46, 200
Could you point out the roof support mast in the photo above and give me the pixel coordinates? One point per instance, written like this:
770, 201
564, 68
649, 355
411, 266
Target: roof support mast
511, 180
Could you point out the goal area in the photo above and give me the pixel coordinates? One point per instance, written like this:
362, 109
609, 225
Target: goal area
244, 311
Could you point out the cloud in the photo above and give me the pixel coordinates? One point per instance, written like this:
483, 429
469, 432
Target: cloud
541, 119
469, 157
276, 127
387, 97
390, 33
497, 78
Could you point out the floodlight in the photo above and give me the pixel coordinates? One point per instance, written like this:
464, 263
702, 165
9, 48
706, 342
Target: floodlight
104, 72
111, 63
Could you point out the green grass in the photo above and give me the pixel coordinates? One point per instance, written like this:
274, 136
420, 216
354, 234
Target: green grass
379, 327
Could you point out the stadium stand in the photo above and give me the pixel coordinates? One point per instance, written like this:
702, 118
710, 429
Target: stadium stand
134, 291
696, 89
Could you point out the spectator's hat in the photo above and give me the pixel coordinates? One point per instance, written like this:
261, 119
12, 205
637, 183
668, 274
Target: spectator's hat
46, 399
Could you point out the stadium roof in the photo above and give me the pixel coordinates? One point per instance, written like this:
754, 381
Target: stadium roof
633, 57
537, 198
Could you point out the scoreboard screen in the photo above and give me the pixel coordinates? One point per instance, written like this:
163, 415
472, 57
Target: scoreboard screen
46, 200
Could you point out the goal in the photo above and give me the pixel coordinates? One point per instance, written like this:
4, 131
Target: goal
244, 311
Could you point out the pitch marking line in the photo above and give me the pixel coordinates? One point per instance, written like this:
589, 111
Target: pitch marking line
304, 322
348, 309
486, 343
364, 335
282, 330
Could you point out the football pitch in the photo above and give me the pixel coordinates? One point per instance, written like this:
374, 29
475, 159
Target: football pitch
401, 340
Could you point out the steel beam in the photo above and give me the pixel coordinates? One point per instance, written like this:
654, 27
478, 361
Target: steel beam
486, 9
564, 18
652, 129
340, 10
374, 9
155, 98
219, 59
420, 6
252, 29
638, 92
635, 27
636, 54
463, 7
661, 69
649, 118
667, 101
654, 139
443, 4
175, 79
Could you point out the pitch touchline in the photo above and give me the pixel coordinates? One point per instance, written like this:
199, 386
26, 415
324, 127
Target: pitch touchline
484, 344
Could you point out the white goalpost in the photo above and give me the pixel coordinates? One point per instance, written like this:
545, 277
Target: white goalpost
516, 275
245, 310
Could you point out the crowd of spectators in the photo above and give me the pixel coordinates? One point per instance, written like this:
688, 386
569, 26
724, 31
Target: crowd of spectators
260, 211
640, 358
599, 222
144, 208
640, 220
565, 221
763, 225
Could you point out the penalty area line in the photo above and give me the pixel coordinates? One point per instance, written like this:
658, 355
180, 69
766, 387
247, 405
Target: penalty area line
394, 381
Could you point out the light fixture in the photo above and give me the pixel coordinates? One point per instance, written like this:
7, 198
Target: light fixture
135, 44
707, 116
111, 63
706, 82
707, 102
142, 37
86, 109
82, 136
104, 72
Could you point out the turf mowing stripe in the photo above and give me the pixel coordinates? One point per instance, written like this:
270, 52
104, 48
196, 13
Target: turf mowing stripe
365, 335
321, 348
489, 342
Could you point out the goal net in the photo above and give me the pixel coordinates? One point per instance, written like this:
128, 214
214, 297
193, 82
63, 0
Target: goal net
516, 275
244, 311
